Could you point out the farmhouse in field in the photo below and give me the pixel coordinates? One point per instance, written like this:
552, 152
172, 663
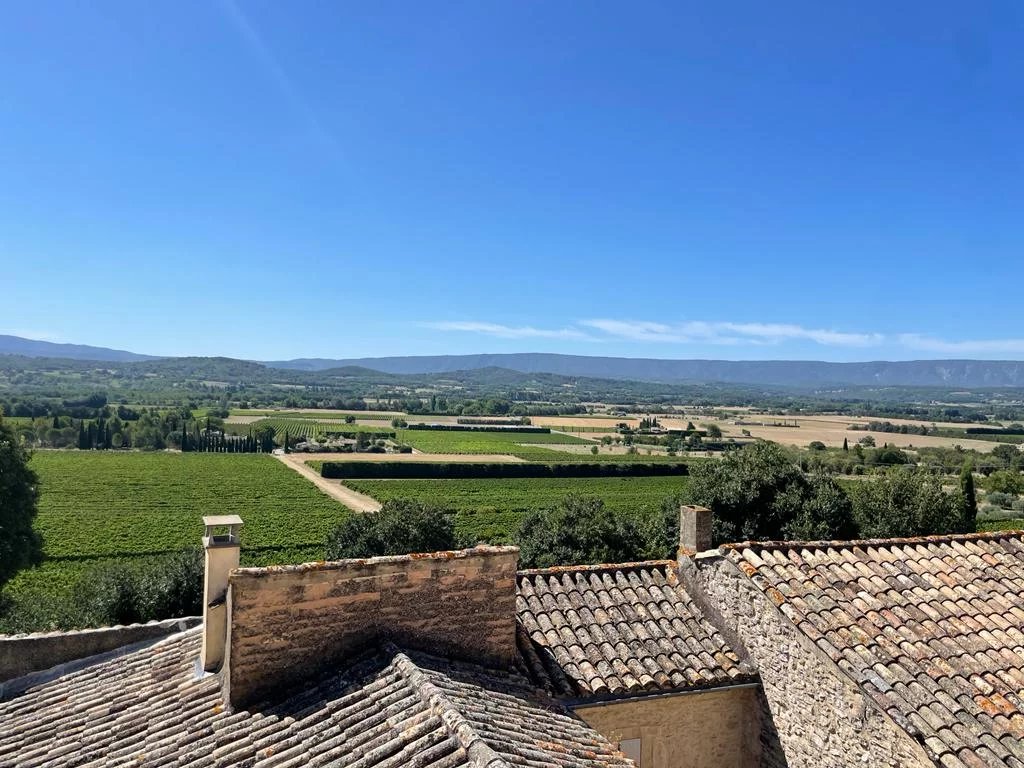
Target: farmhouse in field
825, 654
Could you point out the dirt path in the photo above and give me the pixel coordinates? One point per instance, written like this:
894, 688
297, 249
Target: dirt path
357, 502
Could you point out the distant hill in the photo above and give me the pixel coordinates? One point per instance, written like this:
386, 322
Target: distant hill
776, 373
16, 345
787, 373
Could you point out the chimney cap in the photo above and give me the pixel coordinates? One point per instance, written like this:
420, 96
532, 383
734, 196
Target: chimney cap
229, 538
213, 520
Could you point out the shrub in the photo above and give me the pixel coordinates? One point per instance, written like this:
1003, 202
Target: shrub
1000, 499
905, 503
1006, 481
759, 492
400, 527
580, 530
121, 592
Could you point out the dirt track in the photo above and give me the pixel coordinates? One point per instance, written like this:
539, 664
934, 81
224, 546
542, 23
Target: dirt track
358, 502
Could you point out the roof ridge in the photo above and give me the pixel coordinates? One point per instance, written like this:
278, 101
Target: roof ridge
942, 538
478, 751
630, 566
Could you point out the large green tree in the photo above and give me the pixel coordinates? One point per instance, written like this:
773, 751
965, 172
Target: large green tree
905, 503
20, 545
580, 530
400, 527
760, 493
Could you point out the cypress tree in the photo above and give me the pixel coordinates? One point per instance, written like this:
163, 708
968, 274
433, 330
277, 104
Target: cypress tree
83, 438
968, 499
286, 448
846, 445
184, 437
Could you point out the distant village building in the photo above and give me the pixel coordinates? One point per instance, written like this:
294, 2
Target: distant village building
824, 654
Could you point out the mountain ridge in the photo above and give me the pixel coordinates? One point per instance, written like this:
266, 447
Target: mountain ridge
18, 345
941, 373
967, 373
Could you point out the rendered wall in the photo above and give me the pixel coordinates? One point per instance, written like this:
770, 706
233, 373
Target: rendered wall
711, 729
290, 623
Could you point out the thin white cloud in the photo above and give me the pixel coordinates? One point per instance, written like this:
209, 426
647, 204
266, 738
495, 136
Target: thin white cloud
725, 333
925, 343
728, 333
508, 331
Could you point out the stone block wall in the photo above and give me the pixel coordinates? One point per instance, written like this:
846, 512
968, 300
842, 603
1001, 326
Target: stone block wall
24, 654
290, 623
717, 728
820, 717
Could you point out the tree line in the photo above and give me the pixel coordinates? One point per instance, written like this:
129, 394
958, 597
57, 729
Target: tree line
755, 493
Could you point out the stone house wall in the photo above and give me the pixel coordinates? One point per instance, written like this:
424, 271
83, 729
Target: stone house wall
705, 729
24, 654
821, 717
287, 624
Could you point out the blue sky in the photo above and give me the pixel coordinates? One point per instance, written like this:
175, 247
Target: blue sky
840, 181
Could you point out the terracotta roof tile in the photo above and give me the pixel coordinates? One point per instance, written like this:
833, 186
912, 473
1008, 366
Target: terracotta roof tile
390, 709
633, 629
932, 628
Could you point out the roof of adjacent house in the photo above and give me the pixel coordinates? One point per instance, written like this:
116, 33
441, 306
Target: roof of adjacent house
390, 708
931, 628
616, 630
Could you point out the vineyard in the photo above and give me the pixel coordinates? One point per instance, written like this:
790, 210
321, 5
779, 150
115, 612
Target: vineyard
309, 429
491, 510
318, 414
95, 506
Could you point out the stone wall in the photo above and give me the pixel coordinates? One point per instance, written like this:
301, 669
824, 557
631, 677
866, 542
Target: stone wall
709, 729
23, 654
290, 623
821, 717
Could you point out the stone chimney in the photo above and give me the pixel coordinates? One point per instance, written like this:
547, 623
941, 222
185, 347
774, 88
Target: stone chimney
291, 623
694, 529
222, 546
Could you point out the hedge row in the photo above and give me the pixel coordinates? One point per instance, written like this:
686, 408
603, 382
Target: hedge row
467, 428
366, 470
499, 422
354, 434
994, 431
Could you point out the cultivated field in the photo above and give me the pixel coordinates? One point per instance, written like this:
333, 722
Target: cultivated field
98, 506
306, 428
491, 510
514, 443
831, 430
605, 423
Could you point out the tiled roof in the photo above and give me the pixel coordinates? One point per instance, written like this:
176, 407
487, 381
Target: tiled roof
150, 708
615, 630
931, 628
